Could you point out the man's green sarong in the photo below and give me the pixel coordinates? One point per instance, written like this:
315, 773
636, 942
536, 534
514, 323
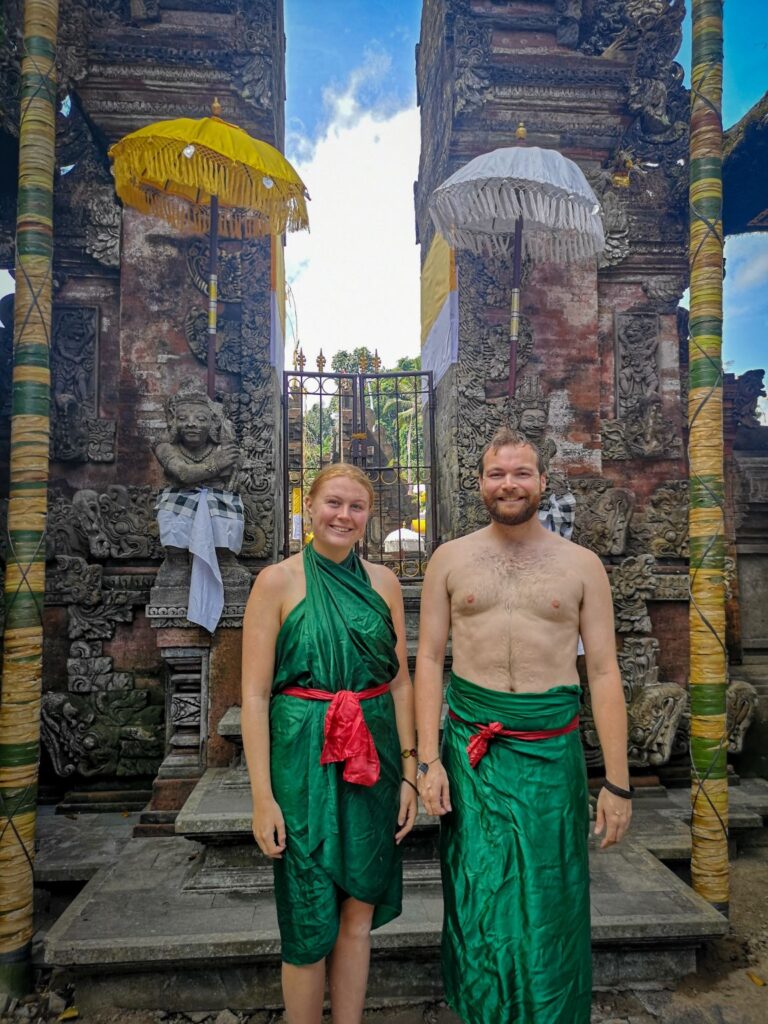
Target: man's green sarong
516, 934
339, 835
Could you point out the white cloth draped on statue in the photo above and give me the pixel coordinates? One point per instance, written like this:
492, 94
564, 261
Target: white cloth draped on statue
202, 521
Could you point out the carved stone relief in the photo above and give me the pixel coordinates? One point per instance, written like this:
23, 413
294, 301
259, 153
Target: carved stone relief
654, 709
640, 430
472, 46
77, 434
749, 390
741, 700
102, 724
603, 515
118, 523
632, 585
661, 527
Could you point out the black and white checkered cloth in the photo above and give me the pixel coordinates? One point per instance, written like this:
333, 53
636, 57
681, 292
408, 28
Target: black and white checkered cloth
559, 513
226, 504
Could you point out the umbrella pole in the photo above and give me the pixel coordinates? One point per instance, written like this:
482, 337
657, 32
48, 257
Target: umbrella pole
213, 270
514, 311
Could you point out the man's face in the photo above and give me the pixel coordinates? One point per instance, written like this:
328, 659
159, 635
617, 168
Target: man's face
511, 485
194, 423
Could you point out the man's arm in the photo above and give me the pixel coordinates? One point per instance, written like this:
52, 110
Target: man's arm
434, 624
608, 704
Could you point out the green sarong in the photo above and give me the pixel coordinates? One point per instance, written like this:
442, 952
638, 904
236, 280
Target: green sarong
516, 932
339, 835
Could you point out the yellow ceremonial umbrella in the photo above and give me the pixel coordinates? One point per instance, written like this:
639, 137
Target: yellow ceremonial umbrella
209, 176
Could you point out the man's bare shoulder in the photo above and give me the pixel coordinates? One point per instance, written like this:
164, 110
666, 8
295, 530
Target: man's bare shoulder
586, 562
452, 551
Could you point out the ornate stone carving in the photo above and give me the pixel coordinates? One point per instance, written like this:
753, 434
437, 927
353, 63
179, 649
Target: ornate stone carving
568, 22
670, 586
637, 371
107, 732
230, 269
472, 41
662, 526
632, 584
645, 433
603, 515
616, 228
749, 390
665, 291
252, 61
228, 344
77, 434
654, 709
741, 700
199, 449
118, 523
186, 704
741, 707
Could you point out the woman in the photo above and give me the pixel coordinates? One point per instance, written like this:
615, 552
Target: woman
329, 739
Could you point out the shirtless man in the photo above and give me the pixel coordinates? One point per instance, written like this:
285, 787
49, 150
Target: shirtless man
510, 781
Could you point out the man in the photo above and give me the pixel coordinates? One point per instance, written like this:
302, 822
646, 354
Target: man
510, 781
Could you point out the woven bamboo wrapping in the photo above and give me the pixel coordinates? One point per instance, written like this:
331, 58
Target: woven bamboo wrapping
27, 508
709, 795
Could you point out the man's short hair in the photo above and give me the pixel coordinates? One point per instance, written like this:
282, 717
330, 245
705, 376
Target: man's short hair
506, 436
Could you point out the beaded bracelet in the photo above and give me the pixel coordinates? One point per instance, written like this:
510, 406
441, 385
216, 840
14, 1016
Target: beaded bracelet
408, 753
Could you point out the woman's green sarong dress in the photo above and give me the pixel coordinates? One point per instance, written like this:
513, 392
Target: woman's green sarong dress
516, 933
339, 835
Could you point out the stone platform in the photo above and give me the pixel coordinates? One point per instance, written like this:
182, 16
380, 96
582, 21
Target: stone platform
184, 925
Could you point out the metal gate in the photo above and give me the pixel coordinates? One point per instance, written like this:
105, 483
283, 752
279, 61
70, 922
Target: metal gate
381, 422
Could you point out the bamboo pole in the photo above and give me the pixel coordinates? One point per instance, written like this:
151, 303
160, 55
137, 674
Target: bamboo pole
27, 508
709, 793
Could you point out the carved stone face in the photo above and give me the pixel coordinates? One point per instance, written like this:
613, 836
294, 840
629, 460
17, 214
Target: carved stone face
193, 422
533, 423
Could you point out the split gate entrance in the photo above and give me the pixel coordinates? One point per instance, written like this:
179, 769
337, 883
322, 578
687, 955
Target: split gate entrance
381, 422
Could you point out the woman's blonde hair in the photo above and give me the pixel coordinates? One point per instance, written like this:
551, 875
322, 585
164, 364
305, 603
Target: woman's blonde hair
339, 469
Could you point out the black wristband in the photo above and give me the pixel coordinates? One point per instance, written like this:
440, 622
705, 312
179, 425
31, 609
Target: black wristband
411, 784
625, 794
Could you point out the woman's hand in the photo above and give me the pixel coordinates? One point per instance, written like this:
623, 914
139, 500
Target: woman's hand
406, 817
269, 829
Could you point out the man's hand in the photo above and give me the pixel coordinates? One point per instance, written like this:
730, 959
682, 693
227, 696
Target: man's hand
269, 829
613, 817
434, 789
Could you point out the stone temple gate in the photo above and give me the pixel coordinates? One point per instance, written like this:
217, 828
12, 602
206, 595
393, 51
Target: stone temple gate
601, 356
140, 707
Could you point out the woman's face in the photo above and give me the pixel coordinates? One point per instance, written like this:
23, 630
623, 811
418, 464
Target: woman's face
339, 512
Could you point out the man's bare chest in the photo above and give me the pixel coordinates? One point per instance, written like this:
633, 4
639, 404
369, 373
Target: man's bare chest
537, 588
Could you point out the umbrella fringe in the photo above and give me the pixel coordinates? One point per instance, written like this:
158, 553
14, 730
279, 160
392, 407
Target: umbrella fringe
232, 223
207, 172
557, 227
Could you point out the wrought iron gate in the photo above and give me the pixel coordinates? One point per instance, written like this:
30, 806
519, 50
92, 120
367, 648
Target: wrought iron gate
381, 422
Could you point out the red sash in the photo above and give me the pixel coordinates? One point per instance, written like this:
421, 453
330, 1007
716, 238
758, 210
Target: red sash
347, 737
477, 747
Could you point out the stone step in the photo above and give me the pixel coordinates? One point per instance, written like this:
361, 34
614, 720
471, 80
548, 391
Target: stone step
219, 811
136, 938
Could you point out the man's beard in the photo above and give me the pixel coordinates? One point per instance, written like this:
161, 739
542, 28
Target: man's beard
526, 511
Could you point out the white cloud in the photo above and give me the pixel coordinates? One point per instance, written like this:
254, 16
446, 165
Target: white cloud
355, 276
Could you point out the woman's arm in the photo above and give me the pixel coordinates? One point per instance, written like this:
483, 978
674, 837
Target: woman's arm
402, 695
261, 624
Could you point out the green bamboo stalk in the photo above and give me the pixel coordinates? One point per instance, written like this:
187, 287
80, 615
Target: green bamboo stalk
708, 670
27, 508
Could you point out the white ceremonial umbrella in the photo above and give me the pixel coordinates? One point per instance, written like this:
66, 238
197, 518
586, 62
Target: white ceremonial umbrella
402, 540
514, 199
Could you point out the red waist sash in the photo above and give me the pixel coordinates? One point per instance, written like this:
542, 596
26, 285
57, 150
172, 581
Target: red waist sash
347, 737
477, 747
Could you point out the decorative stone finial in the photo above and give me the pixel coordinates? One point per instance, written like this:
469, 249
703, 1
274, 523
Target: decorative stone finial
216, 107
521, 133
